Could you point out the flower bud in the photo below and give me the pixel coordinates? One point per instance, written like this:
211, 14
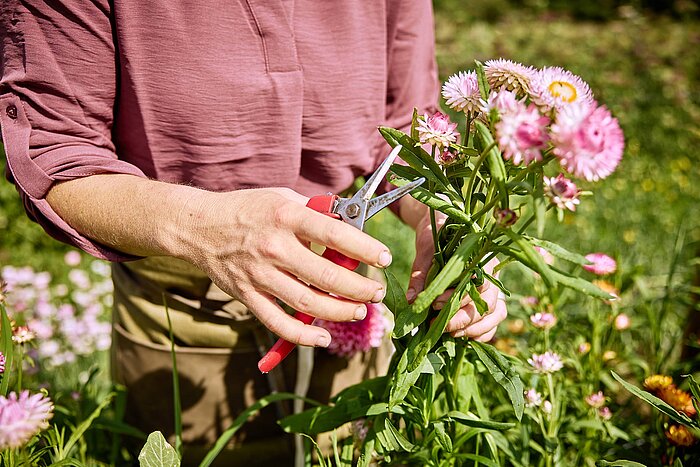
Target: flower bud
505, 217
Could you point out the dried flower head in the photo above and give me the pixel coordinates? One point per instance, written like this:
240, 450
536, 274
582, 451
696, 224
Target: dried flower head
22, 335
588, 141
543, 320
548, 362
22, 417
556, 88
506, 345
461, 92
595, 400
601, 264
563, 193
448, 156
510, 75
522, 134
680, 436
654, 383
359, 336
437, 130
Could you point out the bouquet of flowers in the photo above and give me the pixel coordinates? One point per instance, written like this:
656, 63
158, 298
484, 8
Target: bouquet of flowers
526, 135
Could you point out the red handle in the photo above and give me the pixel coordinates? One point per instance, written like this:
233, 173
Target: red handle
282, 348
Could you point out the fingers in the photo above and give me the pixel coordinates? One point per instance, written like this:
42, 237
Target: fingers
323, 230
273, 317
311, 301
327, 276
481, 328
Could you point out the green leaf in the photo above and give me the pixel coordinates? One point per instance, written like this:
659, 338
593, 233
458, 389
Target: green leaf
177, 405
503, 372
480, 459
395, 298
432, 364
7, 349
414, 124
472, 421
158, 453
582, 285
367, 450
392, 440
85, 424
442, 436
533, 259
695, 389
660, 405
454, 268
497, 283
620, 463
495, 162
437, 328
559, 251
428, 198
481, 79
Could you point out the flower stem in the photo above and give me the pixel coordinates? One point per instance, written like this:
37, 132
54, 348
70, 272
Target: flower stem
20, 355
472, 177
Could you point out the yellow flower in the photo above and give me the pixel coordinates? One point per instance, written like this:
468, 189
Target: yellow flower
516, 326
506, 345
678, 399
680, 436
609, 355
655, 382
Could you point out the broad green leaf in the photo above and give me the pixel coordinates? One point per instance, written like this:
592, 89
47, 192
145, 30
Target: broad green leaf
660, 405
395, 298
497, 168
559, 251
415, 156
620, 463
7, 349
534, 259
454, 268
158, 453
503, 372
472, 421
432, 364
437, 327
402, 379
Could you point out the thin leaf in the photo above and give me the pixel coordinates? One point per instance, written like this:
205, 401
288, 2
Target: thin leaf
534, 259
695, 389
85, 424
619, 463
392, 439
503, 372
481, 79
177, 407
497, 168
472, 421
442, 436
559, 251
456, 265
158, 453
7, 349
582, 285
660, 405
480, 459
497, 283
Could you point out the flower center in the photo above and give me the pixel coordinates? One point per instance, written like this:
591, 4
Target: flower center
563, 90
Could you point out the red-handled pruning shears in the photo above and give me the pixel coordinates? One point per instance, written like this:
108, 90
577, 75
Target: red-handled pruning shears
355, 211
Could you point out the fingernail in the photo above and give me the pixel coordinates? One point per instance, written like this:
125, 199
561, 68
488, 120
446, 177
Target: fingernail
360, 312
411, 294
378, 295
323, 341
384, 259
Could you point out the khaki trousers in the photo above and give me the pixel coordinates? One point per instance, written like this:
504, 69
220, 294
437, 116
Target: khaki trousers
218, 344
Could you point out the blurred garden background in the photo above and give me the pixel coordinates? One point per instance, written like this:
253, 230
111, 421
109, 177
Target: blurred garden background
641, 59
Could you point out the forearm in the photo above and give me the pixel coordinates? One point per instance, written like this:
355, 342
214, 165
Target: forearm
128, 213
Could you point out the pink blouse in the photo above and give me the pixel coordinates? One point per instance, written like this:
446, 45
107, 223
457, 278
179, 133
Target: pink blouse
218, 94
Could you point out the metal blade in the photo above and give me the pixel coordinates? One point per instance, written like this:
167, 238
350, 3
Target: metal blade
370, 187
380, 202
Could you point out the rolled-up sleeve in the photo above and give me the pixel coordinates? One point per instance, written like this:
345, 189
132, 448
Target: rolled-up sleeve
57, 91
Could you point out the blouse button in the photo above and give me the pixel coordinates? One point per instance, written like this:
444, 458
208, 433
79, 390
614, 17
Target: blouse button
11, 112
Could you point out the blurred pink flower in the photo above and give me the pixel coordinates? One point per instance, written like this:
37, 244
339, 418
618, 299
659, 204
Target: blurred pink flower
79, 278
548, 362
510, 75
529, 301
22, 335
437, 130
596, 400
605, 413
461, 92
555, 88
532, 398
588, 141
601, 264
543, 320
359, 336
562, 192
501, 101
72, 258
522, 134
547, 407
22, 417
622, 322
584, 348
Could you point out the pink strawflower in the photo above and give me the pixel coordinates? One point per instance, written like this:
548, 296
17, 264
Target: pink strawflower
546, 255
461, 92
588, 141
543, 320
605, 413
2, 363
502, 101
510, 75
557, 88
23, 417
601, 264
22, 335
595, 400
622, 322
548, 362
533, 398
522, 134
447, 157
562, 192
359, 336
547, 407
529, 301
72, 258
437, 130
